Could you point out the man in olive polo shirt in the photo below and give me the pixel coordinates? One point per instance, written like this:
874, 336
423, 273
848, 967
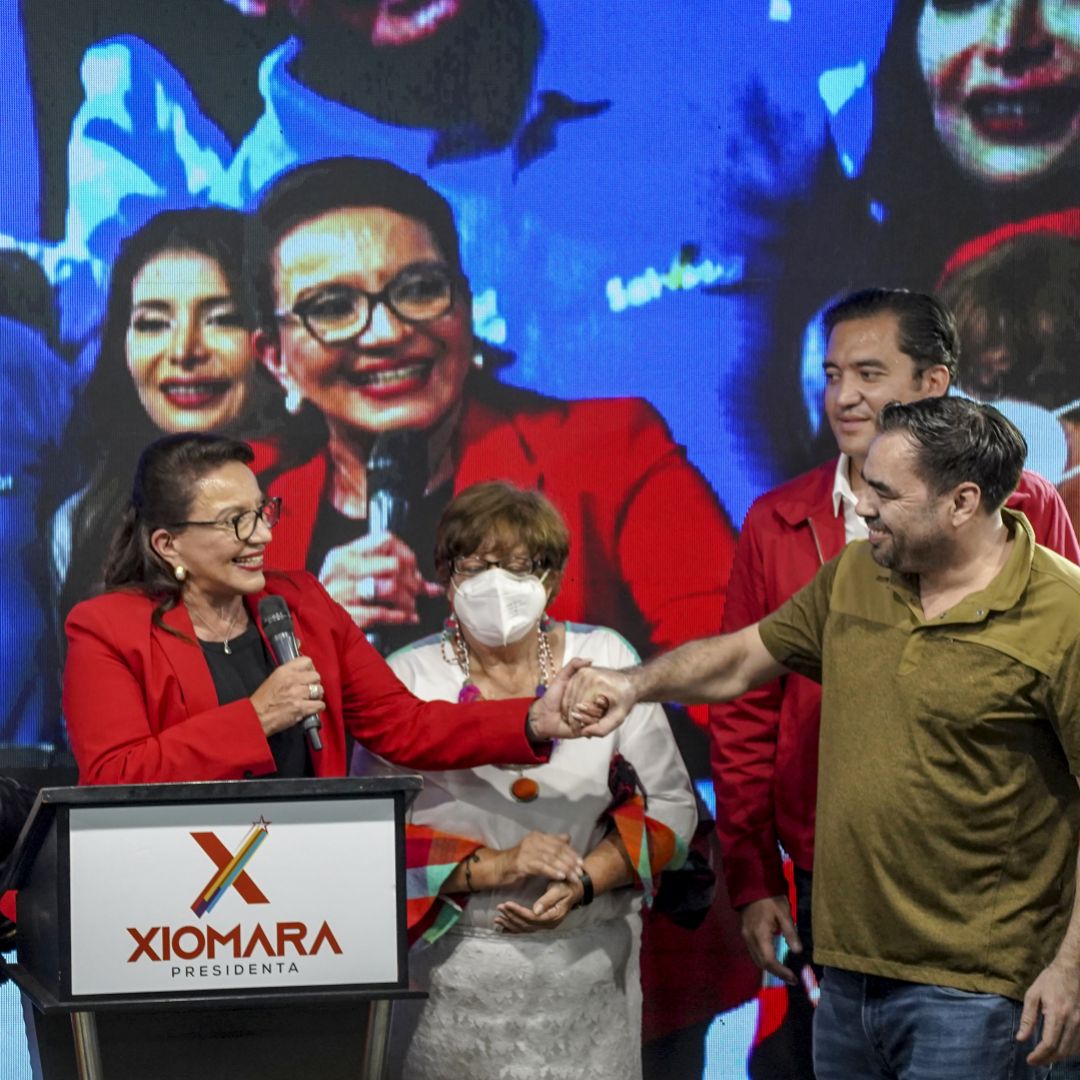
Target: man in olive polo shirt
948, 647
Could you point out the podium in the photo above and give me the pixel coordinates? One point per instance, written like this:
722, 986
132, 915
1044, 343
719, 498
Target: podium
221, 929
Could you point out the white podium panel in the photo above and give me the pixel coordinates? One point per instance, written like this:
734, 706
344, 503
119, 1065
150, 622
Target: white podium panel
238, 895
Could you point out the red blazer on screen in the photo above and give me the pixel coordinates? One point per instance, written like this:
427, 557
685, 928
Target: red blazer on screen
650, 548
141, 705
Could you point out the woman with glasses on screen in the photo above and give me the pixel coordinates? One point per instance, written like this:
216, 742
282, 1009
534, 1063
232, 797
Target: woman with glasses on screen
168, 677
366, 320
516, 957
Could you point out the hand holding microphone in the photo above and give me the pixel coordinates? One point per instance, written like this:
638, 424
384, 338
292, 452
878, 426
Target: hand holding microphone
294, 692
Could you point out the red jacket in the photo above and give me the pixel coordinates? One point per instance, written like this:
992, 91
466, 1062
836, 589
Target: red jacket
765, 744
650, 548
141, 705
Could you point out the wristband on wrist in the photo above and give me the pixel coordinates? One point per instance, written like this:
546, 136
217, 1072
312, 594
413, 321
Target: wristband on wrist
587, 890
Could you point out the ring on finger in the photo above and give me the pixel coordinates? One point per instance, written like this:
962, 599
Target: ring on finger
313, 691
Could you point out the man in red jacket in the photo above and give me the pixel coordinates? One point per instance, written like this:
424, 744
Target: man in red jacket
883, 345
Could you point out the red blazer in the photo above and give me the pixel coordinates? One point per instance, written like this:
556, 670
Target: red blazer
141, 705
650, 548
765, 744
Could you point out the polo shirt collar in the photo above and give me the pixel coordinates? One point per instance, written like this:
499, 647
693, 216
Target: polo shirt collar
1003, 592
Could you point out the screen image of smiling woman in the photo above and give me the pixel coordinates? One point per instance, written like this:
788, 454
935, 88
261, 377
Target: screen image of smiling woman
365, 319
386, 23
187, 347
1003, 78
175, 356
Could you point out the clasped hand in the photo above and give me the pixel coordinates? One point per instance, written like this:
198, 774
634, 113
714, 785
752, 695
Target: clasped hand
544, 855
597, 700
582, 700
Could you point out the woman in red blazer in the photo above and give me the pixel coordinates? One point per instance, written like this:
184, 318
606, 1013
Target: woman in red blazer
169, 678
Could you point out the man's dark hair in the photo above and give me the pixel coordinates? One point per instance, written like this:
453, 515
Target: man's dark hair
960, 441
321, 187
925, 328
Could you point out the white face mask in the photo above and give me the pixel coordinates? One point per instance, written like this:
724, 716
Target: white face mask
498, 608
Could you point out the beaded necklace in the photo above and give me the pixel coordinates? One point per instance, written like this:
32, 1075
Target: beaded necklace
524, 788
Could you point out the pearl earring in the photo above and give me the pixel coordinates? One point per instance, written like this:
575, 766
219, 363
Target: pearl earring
180, 573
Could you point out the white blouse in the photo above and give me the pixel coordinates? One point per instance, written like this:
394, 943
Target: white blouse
573, 784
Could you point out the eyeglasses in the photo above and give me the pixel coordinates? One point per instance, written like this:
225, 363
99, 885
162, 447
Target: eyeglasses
518, 565
244, 524
339, 313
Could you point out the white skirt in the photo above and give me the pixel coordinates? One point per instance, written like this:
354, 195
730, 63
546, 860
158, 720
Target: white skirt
554, 1005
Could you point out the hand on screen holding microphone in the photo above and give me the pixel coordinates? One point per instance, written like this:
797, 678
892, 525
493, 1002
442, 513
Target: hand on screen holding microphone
376, 580
293, 691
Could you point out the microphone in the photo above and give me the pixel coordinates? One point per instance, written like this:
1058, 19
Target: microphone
277, 625
396, 474
396, 477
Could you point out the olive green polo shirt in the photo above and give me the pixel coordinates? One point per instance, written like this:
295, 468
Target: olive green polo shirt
947, 815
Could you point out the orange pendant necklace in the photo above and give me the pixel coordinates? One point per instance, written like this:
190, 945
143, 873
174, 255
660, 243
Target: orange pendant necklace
524, 789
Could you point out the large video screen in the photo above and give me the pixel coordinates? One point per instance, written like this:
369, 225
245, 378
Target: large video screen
654, 203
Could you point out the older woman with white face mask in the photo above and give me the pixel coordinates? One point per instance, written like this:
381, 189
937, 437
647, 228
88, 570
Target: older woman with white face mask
524, 949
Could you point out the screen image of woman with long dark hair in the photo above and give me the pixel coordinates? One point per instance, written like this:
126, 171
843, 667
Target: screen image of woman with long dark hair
175, 356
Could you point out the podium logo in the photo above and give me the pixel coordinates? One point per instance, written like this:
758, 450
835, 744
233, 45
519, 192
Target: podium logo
208, 942
231, 872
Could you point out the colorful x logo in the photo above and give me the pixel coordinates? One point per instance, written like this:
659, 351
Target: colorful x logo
230, 868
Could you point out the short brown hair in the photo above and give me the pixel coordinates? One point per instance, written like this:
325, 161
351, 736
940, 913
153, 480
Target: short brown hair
1019, 301
960, 441
508, 514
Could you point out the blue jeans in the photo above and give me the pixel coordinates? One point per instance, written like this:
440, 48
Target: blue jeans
872, 1028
